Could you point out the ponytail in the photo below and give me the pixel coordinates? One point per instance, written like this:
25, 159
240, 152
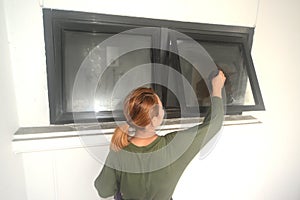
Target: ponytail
137, 110
119, 139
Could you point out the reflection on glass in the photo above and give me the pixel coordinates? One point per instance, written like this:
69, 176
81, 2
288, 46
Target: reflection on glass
228, 57
118, 68
78, 45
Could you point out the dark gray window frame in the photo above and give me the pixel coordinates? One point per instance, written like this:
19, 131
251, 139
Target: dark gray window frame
56, 21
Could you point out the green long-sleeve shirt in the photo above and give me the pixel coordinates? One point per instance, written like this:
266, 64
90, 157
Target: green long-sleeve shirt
151, 172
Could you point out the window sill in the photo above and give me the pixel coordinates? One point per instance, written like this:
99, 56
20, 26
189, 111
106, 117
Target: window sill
56, 137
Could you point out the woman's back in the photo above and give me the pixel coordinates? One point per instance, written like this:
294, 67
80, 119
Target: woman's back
152, 171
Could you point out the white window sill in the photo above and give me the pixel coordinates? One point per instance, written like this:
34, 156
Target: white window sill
55, 137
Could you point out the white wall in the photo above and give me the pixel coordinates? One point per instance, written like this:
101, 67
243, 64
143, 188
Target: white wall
26, 40
249, 162
12, 181
213, 11
276, 53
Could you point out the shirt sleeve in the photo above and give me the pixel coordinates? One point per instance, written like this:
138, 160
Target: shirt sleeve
106, 183
209, 128
192, 140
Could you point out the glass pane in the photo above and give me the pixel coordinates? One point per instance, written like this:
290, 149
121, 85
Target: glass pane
78, 45
229, 58
105, 100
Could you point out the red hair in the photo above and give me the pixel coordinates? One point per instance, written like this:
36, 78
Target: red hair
139, 108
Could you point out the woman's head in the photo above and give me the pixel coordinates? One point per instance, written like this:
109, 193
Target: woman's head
142, 109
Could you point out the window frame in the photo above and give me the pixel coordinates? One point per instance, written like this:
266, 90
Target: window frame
251, 73
56, 21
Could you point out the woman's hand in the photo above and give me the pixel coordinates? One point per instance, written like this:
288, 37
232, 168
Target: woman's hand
217, 84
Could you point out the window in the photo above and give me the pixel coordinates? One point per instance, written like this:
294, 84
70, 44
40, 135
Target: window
71, 37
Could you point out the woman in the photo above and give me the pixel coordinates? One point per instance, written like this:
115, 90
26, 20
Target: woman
143, 165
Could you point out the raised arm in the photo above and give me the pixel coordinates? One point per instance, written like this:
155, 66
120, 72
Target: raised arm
216, 109
200, 135
214, 119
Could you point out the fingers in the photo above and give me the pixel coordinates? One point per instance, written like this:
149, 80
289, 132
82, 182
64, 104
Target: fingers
221, 73
222, 76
